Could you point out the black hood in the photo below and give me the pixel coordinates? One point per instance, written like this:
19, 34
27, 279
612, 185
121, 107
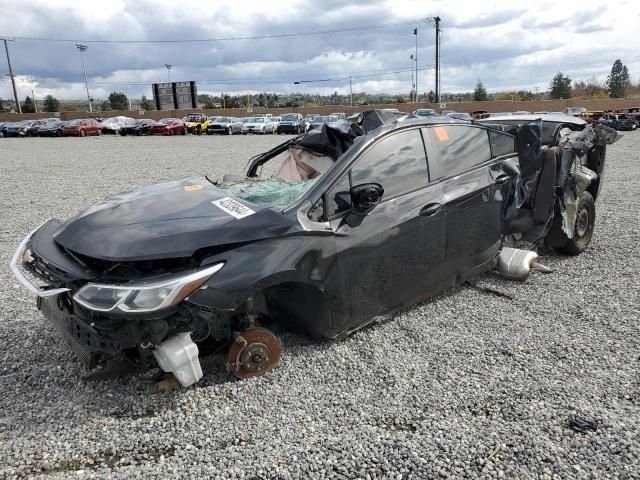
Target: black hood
168, 220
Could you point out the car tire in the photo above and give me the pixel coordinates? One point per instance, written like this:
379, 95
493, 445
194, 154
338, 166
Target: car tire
83, 133
171, 132
183, 132
99, 132
583, 228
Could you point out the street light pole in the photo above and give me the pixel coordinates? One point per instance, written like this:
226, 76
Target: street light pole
13, 79
413, 83
168, 67
415, 32
83, 48
35, 103
350, 92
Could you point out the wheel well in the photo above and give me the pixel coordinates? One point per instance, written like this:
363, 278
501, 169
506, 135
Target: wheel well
296, 306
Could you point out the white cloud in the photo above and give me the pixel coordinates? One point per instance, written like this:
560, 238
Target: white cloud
519, 46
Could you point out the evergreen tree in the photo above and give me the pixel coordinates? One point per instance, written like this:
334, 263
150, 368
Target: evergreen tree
560, 86
28, 106
118, 101
146, 104
480, 93
618, 80
51, 104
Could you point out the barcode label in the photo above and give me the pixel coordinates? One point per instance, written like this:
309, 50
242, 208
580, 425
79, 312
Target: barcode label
233, 208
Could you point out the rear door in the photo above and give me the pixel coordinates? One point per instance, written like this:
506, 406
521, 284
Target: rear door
394, 255
460, 159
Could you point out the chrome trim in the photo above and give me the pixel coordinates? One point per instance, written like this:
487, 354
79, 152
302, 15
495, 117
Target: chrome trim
309, 225
18, 274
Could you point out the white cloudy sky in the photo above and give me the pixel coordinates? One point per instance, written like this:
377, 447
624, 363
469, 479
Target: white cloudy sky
507, 45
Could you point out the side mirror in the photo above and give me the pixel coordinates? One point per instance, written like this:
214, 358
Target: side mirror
366, 196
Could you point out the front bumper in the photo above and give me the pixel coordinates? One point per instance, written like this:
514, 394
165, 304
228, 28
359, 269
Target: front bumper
289, 128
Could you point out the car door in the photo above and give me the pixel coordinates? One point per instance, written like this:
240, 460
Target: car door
460, 158
392, 256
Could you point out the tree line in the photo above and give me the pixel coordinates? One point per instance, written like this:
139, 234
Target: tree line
617, 85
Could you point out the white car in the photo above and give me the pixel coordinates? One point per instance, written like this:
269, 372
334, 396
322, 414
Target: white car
114, 124
261, 125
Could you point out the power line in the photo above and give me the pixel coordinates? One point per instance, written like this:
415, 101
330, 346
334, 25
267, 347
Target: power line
226, 39
264, 80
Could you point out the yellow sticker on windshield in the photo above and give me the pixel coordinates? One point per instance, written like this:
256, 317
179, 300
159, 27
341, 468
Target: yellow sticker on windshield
191, 188
441, 133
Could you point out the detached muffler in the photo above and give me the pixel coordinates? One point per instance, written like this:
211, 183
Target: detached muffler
179, 356
516, 264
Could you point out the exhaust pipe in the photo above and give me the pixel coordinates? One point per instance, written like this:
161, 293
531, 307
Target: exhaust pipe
516, 264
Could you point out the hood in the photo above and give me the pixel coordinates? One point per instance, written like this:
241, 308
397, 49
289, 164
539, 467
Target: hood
168, 220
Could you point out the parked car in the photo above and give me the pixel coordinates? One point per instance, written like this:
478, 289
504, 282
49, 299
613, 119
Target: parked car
291, 123
82, 128
339, 115
619, 121
574, 111
307, 122
360, 221
2, 124
320, 120
17, 129
263, 115
32, 131
275, 119
425, 112
138, 127
52, 128
261, 125
168, 126
112, 126
460, 116
196, 123
226, 125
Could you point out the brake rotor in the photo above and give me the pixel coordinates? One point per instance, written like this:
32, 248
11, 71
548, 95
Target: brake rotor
254, 352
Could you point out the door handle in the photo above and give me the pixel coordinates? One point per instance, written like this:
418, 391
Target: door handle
430, 209
502, 179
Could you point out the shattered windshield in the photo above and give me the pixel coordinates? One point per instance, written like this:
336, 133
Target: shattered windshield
283, 179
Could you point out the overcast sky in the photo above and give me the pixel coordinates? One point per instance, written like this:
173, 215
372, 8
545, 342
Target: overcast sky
506, 45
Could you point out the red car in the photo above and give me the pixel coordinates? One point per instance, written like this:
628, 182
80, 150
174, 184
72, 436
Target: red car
82, 128
168, 126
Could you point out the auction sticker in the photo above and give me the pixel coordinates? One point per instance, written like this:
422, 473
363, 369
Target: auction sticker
233, 207
192, 188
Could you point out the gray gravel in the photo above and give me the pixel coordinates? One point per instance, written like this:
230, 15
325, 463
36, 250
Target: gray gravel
467, 385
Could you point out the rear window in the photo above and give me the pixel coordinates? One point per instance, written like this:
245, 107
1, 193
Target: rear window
452, 149
501, 143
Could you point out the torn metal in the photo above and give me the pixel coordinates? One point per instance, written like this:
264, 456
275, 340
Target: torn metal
325, 233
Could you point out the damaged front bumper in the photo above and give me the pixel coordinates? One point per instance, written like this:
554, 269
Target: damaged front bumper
113, 341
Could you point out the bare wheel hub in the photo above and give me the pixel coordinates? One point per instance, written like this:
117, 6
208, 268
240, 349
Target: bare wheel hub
582, 222
254, 352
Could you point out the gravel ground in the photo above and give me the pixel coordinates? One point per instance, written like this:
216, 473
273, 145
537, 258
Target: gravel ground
467, 385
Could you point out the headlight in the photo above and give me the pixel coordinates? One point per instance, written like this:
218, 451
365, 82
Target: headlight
143, 296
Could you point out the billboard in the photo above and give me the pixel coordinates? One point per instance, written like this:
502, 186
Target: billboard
175, 95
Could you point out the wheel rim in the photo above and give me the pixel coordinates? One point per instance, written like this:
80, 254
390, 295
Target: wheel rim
582, 222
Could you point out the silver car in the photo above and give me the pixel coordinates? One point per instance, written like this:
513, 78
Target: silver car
226, 125
261, 125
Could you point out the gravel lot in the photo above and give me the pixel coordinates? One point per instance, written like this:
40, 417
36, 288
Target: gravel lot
467, 385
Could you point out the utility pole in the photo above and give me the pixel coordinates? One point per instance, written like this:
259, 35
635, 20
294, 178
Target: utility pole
413, 83
437, 19
35, 104
168, 67
415, 32
83, 48
13, 79
350, 92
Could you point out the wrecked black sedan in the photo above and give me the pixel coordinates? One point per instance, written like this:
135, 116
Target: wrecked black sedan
325, 233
